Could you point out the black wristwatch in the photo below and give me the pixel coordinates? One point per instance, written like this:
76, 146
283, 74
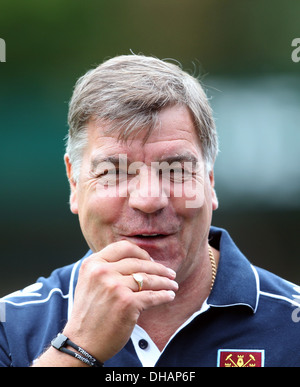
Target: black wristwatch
61, 341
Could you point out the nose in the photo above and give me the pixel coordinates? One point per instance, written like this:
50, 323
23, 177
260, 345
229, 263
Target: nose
146, 193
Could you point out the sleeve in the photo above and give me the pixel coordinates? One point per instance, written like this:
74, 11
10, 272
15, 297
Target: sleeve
5, 358
30, 318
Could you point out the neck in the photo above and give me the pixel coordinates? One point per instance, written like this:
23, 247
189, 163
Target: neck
192, 293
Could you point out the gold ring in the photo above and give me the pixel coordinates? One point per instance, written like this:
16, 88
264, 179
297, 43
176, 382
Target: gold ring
139, 280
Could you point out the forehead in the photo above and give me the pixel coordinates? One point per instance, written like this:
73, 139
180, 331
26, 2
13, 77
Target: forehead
174, 135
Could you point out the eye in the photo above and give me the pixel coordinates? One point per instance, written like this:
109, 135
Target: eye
112, 176
106, 172
107, 177
121, 174
177, 175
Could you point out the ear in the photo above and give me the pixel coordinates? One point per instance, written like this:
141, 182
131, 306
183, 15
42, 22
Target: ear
214, 199
73, 185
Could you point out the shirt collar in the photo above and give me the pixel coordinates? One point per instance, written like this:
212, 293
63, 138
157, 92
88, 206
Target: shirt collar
237, 281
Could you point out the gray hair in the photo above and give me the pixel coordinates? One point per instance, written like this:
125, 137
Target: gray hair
128, 92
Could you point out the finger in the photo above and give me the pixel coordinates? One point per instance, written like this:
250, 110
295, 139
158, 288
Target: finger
150, 298
151, 282
120, 250
133, 265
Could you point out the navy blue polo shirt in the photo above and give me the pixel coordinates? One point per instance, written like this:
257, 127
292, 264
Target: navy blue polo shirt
251, 319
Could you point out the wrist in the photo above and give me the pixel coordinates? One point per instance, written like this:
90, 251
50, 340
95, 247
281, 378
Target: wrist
63, 344
53, 358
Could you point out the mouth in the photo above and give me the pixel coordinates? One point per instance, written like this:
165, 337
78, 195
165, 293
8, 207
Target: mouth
149, 235
157, 243
147, 238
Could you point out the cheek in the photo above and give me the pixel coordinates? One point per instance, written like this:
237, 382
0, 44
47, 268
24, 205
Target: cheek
190, 203
191, 217
103, 211
196, 210
97, 217
191, 194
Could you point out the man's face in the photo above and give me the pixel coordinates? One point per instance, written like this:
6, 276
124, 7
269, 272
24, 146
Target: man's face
155, 194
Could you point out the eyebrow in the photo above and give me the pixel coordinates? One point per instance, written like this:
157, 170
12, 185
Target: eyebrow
116, 158
184, 157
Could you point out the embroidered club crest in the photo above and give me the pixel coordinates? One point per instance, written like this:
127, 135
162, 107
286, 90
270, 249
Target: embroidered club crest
241, 358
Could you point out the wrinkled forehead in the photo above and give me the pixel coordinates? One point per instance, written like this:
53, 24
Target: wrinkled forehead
173, 135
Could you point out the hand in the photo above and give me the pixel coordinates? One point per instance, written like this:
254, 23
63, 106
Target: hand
107, 303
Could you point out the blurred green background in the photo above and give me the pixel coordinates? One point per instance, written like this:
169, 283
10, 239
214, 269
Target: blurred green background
241, 48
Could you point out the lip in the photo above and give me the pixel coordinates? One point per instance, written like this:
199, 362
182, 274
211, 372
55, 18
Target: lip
155, 240
147, 233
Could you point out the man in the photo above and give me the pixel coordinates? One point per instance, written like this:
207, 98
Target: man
159, 285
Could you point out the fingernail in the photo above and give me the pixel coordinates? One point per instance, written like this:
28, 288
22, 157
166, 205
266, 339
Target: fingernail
172, 272
171, 293
175, 284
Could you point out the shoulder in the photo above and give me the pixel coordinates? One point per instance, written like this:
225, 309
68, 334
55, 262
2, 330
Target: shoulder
57, 284
31, 317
